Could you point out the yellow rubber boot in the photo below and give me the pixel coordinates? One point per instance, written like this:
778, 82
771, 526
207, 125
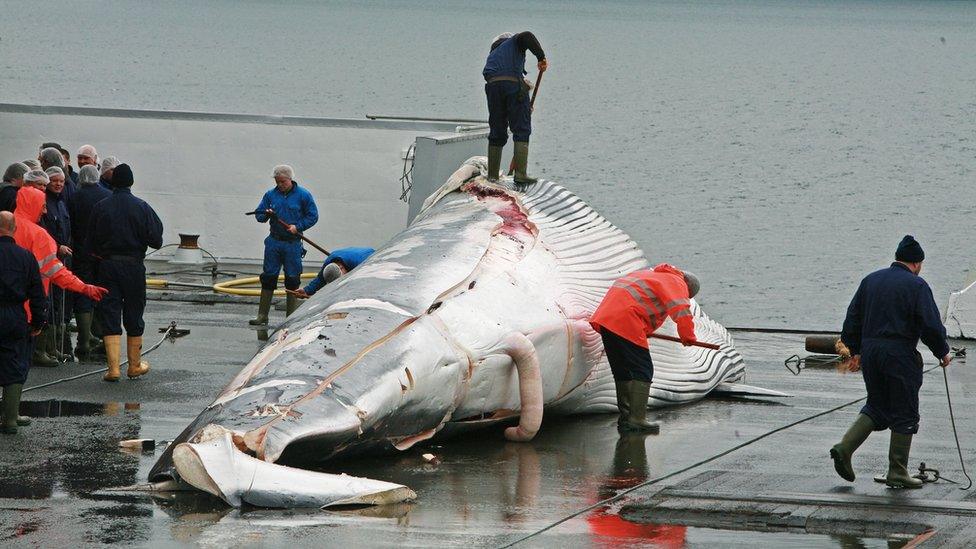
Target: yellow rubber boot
133, 348
113, 348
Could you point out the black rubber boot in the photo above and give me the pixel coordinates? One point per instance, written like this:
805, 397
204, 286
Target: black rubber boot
843, 451
41, 358
622, 403
521, 164
83, 349
898, 450
638, 392
62, 343
10, 409
291, 303
263, 308
494, 162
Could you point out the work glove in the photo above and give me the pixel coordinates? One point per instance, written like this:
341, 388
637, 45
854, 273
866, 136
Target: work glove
94, 293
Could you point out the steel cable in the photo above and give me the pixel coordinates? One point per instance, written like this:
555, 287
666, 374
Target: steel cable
155, 346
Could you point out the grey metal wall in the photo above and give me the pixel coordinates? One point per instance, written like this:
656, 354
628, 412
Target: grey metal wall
201, 171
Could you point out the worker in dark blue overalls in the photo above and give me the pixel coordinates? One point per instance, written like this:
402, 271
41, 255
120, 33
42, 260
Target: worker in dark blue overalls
892, 309
338, 263
508, 99
121, 228
20, 282
291, 210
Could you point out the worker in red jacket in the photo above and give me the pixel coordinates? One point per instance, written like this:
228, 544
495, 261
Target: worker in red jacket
31, 204
633, 308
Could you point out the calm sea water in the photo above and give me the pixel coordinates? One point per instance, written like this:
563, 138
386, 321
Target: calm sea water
778, 149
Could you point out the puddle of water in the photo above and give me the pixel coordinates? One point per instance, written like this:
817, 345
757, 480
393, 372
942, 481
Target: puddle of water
66, 408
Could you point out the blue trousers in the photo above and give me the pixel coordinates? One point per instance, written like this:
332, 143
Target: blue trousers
84, 270
508, 107
278, 254
893, 376
126, 298
628, 362
15, 349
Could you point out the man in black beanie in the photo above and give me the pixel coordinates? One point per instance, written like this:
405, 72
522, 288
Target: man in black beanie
122, 227
892, 309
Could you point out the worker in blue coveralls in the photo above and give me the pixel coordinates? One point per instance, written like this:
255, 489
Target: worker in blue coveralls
20, 283
892, 309
338, 263
508, 99
121, 229
291, 210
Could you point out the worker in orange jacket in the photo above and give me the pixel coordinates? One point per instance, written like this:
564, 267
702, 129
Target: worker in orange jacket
31, 204
633, 308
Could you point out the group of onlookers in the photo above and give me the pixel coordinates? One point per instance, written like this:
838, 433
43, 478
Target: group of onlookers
87, 235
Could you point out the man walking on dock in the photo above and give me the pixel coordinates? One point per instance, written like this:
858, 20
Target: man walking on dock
508, 99
892, 309
296, 210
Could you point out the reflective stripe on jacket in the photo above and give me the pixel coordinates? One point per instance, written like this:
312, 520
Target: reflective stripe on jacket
33, 238
639, 303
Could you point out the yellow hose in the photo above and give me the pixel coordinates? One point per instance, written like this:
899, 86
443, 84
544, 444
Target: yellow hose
231, 286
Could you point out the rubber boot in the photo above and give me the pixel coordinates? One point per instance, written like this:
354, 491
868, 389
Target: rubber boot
40, 358
61, 344
291, 303
898, 475
622, 403
843, 451
638, 392
10, 409
494, 162
83, 349
133, 349
521, 163
113, 349
263, 307
51, 343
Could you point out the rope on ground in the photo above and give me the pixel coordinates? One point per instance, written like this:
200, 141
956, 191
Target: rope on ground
952, 418
155, 346
608, 501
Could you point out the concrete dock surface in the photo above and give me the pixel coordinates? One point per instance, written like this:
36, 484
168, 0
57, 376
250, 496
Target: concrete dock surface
483, 491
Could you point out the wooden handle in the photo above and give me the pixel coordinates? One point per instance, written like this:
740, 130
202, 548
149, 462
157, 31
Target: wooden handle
535, 92
711, 346
303, 237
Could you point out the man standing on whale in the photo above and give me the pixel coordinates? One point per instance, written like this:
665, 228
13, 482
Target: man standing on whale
892, 309
508, 99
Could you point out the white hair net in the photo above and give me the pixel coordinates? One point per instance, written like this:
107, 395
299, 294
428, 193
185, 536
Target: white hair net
88, 175
37, 175
51, 157
284, 169
109, 163
32, 164
501, 38
54, 170
15, 171
87, 150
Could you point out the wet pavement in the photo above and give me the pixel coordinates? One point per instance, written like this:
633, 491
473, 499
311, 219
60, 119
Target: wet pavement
483, 490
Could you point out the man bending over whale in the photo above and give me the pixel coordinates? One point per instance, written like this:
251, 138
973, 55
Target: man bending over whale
338, 263
633, 308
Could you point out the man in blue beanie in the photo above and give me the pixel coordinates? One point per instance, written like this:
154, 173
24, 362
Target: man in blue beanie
892, 309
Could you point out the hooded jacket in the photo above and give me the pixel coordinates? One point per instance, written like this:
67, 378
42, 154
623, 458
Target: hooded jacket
32, 237
639, 303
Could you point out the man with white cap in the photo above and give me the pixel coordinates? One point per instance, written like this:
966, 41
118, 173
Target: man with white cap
37, 179
13, 180
108, 166
86, 156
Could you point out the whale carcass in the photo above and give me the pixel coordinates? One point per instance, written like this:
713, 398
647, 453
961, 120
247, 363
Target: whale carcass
475, 314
